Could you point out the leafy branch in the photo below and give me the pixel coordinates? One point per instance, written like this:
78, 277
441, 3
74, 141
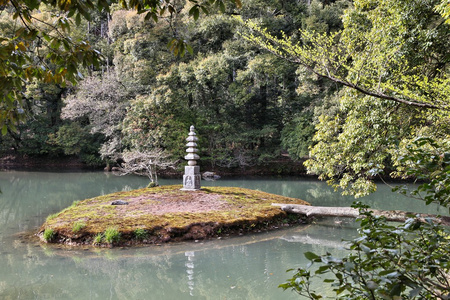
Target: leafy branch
331, 56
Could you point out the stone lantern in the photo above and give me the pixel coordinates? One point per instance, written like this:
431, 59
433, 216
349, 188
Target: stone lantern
191, 177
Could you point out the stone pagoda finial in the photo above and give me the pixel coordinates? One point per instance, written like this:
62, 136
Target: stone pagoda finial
191, 177
192, 156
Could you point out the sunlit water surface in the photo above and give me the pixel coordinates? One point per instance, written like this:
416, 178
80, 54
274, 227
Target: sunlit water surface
247, 267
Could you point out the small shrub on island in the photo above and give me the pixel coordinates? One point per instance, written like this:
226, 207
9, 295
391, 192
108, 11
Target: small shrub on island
140, 234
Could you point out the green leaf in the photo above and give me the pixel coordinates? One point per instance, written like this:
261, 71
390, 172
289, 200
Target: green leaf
45, 36
221, 6
189, 49
311, 256
194, 11
78, 19
415, 292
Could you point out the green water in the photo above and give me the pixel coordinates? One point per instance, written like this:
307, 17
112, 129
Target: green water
247, 267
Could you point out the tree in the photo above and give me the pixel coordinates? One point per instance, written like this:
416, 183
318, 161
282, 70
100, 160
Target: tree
145, 163
42, 50
393, 57
367, 57
100, 103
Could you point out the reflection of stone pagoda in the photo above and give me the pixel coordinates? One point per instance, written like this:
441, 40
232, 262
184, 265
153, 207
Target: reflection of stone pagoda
191, 177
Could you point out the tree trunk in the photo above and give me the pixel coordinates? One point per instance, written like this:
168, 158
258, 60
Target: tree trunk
349, 212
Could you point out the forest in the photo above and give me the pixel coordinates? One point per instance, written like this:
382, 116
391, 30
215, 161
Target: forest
347, 86
249, 106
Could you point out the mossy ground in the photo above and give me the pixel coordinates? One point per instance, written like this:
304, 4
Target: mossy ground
163, 214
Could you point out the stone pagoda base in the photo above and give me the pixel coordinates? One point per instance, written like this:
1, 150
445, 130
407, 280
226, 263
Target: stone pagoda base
191, 178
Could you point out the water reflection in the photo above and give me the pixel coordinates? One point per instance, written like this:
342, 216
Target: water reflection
248, 267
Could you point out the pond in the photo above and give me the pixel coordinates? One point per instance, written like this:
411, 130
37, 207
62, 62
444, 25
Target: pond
245, 267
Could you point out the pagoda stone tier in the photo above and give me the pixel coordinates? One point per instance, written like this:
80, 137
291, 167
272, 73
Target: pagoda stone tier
191, 177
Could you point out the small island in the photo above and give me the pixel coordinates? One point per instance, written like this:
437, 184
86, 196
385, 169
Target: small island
166, 214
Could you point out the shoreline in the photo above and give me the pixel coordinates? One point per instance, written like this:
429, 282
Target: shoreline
282, 167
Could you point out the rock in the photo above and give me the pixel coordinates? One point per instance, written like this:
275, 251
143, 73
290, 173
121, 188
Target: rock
210, 176
119, 202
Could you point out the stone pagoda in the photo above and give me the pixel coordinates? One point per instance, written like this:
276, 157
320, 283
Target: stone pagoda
191, 177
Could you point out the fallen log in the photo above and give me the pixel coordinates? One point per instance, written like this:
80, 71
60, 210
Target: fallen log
306, 239
350, 212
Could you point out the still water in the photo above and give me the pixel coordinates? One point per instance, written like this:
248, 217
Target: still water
247, 267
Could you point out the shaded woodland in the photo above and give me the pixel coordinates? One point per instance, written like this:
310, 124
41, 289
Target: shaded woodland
250, 107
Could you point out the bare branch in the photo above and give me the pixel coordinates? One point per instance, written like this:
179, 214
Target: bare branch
146, 163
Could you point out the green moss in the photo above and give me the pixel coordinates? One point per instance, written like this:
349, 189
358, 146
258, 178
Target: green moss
246, 209
52, 217
77, 226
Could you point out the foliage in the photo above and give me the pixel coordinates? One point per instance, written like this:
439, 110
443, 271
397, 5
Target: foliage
141, 96
408, 261
296, 136
149, 124
98, 239
140, 234
365, 57
73, 139
427, 160
37, 49
41, 49
112, 235
382, 55
393, 114
444, 9
102, 102
49, 234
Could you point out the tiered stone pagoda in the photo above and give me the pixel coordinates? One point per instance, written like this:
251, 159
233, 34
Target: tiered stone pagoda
191, 177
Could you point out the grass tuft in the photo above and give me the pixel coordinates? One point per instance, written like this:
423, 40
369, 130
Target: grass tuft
98, 239
112, 235
49, 234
